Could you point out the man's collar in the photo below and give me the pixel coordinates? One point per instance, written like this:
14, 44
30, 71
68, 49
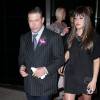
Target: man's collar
40, 31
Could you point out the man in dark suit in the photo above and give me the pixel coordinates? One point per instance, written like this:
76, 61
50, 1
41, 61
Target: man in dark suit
40, 60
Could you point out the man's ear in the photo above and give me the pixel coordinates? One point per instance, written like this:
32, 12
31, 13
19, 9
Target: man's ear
43, 20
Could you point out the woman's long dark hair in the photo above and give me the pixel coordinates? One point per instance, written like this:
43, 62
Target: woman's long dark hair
87, 35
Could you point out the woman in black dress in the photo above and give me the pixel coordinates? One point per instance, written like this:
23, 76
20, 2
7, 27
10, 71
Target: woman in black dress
82, 67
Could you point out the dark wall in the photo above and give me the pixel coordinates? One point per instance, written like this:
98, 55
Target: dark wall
14, 22
98, 18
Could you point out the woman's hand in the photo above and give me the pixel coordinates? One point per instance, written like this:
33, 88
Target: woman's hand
91, 87
67, 55
65, 31
61, 70
92, 84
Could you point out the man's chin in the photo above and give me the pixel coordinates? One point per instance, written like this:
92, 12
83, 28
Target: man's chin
35, 31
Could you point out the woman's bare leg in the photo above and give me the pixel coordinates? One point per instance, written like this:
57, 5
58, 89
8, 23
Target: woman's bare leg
68, 96
80, 97
86, 97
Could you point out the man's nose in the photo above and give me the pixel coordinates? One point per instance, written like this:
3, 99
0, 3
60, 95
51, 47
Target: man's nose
33, 24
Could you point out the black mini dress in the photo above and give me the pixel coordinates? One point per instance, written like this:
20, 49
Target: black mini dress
79, 67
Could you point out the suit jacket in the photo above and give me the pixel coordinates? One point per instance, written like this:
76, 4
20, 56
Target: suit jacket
49, 54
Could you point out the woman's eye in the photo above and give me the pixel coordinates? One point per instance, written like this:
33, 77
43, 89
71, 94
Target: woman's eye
81, 18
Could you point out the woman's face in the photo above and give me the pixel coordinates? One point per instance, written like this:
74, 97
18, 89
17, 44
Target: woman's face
79, 22
62, 15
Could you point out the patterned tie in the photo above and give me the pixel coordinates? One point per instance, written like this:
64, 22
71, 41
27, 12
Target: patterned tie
34, 41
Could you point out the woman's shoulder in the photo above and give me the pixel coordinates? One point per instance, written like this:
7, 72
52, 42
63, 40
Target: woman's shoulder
96, 38
54, 23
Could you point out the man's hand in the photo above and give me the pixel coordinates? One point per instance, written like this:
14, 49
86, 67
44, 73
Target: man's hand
22, 71
40, 72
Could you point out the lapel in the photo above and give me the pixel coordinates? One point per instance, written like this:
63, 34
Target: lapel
29, 40
29, 45
40, 46
42, 41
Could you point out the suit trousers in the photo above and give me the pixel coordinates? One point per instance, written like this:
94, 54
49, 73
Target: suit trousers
29, 97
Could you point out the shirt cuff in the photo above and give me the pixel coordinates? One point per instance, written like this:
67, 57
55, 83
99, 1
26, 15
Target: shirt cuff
46, 71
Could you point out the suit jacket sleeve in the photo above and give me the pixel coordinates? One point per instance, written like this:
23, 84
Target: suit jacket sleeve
21, 52
58, 54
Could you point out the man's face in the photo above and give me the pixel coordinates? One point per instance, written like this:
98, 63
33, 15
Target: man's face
35, 21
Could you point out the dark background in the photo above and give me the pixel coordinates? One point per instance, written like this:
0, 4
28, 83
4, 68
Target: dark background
13, 23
